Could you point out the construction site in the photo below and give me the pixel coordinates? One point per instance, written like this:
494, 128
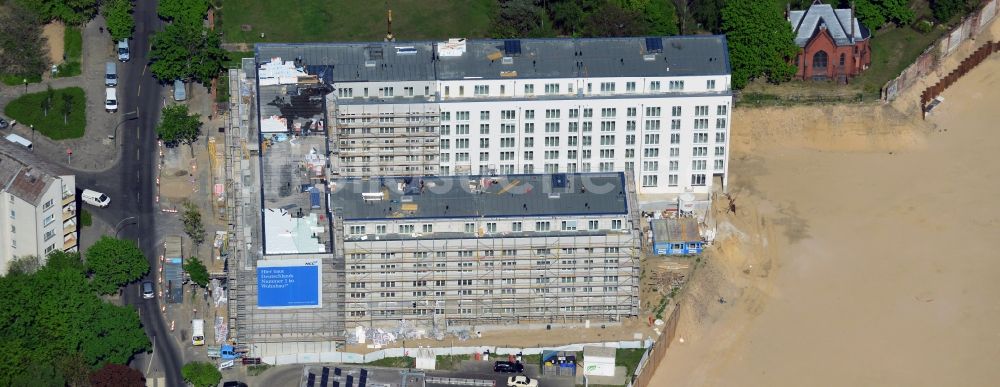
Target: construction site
321, 255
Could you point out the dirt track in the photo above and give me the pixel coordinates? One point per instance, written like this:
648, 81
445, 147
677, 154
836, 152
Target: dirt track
863, 252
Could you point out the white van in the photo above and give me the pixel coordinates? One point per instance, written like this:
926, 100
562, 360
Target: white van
19, 140
197, 332
95, 198
111, 74
110, 99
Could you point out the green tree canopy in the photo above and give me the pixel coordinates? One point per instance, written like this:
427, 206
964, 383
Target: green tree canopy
945, 9
201, 374
761, 43
197, 271
659, 15
53, 316
22, 46
186, 50
118, 16
517, 19
177, 126
876, 13
114, 263
613, 20
68, 11
182, 10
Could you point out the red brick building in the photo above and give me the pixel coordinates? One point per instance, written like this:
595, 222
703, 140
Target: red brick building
834, 45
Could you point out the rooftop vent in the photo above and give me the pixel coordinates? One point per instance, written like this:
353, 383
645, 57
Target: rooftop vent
649, 57
369, 63
407, 50
507, 60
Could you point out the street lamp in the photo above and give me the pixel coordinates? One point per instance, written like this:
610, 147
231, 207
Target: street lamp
117, 226
126, 117
32, 132
25, 85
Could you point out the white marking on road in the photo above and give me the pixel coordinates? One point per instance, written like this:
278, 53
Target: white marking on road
139, 90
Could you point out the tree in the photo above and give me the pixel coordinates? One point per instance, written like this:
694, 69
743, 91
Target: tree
38, 374
182, 10
708, 13
67, 106
875, 13
54, 317
201, 374
612, 20
567, 16
516, 19
118, 16
185, 50
68, 11
945, 9
117, 375
74, 369
192, 222
177, 126
197, 271
47, 101
760, 42
659, 15
21, 42
25, 264
115, 262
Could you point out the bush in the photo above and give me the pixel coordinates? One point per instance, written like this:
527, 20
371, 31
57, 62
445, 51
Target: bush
923, 26
86, 219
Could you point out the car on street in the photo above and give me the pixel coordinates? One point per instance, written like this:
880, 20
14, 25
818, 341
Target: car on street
521, 381
234, 383
123, 54
506, 366
147, 290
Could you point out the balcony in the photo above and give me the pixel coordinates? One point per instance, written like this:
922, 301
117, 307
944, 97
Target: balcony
68, 199
68, 213
69, 226
69, 242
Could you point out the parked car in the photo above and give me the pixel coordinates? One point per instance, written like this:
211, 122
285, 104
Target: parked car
110, 99
234, 383
95, 198
521, 381
147, 290
506, 366
111, 74
180, 93
123, 54
3, 123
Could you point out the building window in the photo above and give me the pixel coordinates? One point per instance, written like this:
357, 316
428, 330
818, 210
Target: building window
710, 84
592, 225
843, 59
719, 165
48, 220
654, 86
482, 90
428, 228
508, 114
516, 227
551, 88
675, 111
470, 227
529, 89
529, 114
649, 180
672, 180
720, 123
820, 59
607, 87
630, 87
698, 165
720, 137
721, 110
698, 179
676, 85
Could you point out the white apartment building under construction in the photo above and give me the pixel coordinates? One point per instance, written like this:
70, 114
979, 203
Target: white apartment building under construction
657, 106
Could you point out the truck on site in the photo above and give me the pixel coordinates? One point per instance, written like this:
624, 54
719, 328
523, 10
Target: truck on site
197, 332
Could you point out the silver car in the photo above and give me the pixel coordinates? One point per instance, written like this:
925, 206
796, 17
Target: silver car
147, 290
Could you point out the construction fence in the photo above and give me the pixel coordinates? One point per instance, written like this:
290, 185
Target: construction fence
927, 62
967, 65
654, 353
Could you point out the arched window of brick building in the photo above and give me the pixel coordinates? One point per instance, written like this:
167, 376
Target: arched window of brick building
843, 59
820, 60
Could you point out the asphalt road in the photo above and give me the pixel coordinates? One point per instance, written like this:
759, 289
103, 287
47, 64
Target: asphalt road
131, 185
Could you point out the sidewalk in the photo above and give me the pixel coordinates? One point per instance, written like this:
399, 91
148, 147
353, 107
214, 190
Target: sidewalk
94, 151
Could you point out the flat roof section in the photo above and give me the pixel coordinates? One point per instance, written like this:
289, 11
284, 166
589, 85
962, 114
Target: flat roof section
514, 58
673, 230
440, 197
294, 196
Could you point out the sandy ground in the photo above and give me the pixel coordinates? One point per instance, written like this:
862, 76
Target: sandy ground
862, 253
53, 33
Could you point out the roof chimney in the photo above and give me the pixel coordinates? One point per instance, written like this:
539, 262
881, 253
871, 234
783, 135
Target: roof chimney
852, 22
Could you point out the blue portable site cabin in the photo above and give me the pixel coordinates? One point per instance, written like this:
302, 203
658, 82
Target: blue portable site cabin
678, 236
